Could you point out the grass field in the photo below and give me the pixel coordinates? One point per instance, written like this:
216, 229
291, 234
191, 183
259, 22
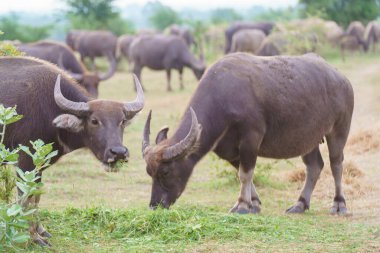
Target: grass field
89, 210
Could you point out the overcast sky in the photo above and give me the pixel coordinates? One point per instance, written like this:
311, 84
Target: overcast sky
50, 5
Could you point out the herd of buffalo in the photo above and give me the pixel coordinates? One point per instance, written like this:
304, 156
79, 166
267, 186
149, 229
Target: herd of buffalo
245, 106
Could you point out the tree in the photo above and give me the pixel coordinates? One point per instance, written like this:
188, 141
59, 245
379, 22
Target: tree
163, 16
342, 11
224, 15
13, 30
97, 14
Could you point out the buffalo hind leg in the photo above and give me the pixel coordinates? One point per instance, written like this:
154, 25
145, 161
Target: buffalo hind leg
248, 201
336, 146
168, 76
314, 165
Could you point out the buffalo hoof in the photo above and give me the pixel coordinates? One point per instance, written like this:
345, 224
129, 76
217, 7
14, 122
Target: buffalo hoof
46, 234
243, 210
339, 208
39, 240
295, 209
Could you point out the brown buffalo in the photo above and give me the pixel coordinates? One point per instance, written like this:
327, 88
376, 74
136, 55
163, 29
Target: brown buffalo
57, 110
164, 52
247, 106
72, 38
266, 27
64, 57
247, 40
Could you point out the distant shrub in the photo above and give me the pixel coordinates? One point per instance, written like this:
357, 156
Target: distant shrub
13, 30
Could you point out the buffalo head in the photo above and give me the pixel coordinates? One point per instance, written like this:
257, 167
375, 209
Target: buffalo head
100, 123
90, 81
168, 163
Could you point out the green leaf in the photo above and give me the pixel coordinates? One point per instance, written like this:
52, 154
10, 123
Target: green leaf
21, 238
14, 210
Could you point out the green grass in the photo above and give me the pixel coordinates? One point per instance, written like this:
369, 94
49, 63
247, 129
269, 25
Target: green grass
182, 229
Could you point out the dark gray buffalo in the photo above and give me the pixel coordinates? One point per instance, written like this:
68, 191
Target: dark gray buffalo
64, 57
184, 33
164, 52
248, 106
58, 110
94, 44
266, 27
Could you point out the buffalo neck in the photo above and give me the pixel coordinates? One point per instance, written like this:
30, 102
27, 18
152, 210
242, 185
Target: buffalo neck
210, 116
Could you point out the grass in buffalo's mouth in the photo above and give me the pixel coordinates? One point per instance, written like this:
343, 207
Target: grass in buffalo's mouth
181, 229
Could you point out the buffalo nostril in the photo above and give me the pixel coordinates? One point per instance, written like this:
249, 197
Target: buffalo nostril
119, 151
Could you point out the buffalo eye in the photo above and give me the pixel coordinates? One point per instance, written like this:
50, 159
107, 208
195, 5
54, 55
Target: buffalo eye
165, 172
124, 122
95, 122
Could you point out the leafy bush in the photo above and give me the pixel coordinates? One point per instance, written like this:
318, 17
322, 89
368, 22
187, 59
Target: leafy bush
97, 14
15, 216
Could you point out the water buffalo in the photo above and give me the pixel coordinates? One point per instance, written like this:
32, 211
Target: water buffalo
123, 44
351, 43
164, 52
248, 106
184, 33
333, 32
94, 44
64, 57
247, 40
357, 29
57, 110
266, 27
72, 38
372, 34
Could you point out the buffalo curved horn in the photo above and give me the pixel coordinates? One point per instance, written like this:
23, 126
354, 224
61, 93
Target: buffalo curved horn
185, 144
146, 142
76, 76
76, 108
111, 70
131, 108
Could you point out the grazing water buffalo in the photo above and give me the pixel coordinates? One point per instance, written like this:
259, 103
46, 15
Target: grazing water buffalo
247, 40
123, 44
57, 110
357, 29
64, 57
248, 106
72, 38
372, 34
94, 44
266, 27
164, 52
184, 33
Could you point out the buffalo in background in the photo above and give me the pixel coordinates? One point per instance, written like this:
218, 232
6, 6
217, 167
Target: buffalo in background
61, 55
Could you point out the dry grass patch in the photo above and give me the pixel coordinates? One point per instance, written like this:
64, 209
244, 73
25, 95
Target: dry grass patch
364, 141
356, 185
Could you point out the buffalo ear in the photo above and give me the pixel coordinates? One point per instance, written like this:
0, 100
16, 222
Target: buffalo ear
162, 135
69, 122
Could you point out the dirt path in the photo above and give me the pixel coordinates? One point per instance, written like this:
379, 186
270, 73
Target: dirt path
363, 147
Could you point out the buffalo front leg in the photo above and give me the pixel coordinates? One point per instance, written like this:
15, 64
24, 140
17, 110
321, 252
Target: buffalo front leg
248, 201
37, 233
314, 165
180, 71
168, 76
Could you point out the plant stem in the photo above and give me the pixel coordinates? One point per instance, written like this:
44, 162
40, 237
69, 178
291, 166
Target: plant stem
2, 135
